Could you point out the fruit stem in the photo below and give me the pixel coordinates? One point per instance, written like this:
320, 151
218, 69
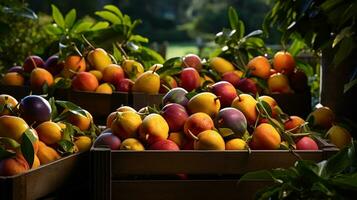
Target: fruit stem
126, 57
86, 41
33, 61
192, 135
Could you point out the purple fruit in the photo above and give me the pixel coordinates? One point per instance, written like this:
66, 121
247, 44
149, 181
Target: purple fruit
176, 95
233, 119
175, 115
53, 66
108, 139
17, 69
32, 62
247, 85
34, 108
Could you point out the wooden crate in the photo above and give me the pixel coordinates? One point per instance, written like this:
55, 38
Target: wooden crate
140, 100
19, 92
212, 174
67, 177
99, 105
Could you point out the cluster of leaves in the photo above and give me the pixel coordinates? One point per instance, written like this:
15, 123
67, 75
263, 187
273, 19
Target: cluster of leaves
334, 178
327, 24
21, 33
235, 45
115, 25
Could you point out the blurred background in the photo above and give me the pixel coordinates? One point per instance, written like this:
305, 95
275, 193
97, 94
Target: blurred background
174, 28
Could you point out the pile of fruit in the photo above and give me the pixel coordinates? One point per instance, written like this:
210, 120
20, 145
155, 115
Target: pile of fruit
96, 71
36, 132
216, 120
259, 76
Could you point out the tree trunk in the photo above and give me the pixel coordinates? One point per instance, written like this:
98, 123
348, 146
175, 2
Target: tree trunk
332, 82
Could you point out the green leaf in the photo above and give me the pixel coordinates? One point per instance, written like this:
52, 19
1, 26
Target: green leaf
337, 163
27, 146
9, 142
345, 48
6, 154
191, 94
241, 29
296, 47
233, 18
153, 54
99, 25
347, 181
57, 16
262, 175
53, 29
109, 16
346, 32
68, 132
73, 108
349, 85
66, 146
54, 112
138, 38
117, 54
70, 18
82, 26
114, 9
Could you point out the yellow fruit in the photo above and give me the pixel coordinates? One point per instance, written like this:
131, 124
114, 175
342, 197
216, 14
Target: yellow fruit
154, 127
323, 117
98, 74
266, 137
209, 140
339, 136
126, 124
236, 144
148, 82
221, 65
132, 68
12, 127
36, 163
46, 154
247, 105
179, 138
99, 59
7, 101
132, 144
49, 132
260, 67
104, 88
205, 102
83, 143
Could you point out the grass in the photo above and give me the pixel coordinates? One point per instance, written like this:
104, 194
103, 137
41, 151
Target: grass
180, 49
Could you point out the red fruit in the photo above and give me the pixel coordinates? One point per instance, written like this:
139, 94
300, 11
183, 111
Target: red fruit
190, 79
175, 116
85, 81
225, 91
124, 85
164, 145
32, 62
247, 85
192, 60
232, 77
306, 143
